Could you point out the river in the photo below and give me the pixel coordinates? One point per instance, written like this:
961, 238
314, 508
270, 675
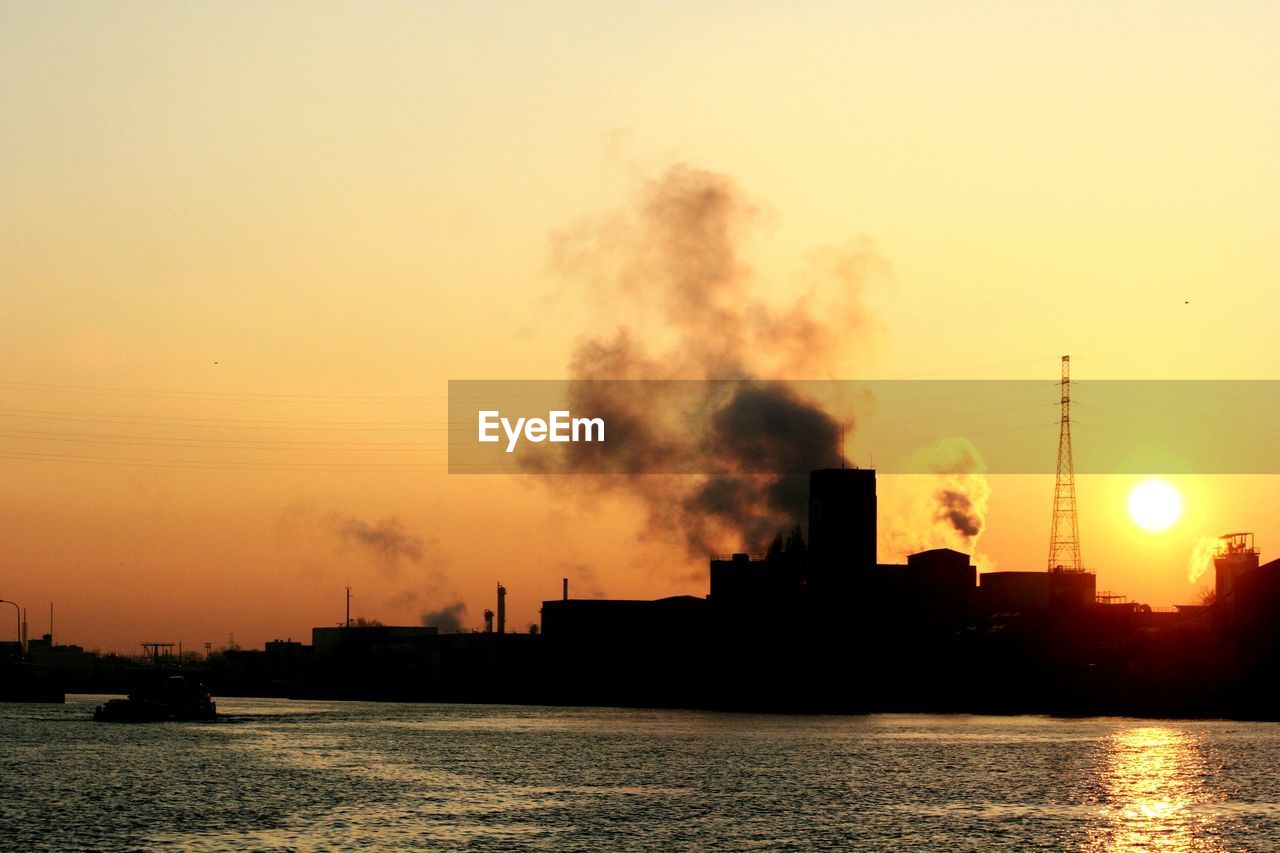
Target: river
288, 775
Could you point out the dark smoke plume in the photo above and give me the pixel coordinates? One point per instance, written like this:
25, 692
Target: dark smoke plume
448, 619
583, 582
387, 540
949, 512
673, 268
390, 546
956, 508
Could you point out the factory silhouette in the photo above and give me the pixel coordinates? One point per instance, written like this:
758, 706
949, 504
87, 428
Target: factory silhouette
816, 624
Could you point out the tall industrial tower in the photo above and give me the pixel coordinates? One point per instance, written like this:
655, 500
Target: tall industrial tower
1064, 535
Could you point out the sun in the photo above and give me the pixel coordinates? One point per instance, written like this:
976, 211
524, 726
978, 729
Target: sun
1154, 505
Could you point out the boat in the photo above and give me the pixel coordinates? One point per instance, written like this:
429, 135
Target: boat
174, 698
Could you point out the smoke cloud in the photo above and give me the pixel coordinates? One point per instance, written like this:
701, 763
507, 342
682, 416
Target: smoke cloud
387, 540
416, 564
583, 582
448, 619
1201, 559
958, 509
673, 265
949, 512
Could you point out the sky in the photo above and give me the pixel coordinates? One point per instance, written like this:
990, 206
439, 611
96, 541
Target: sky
244, 248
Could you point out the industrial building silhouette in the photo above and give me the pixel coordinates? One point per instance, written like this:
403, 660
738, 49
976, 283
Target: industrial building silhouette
815, 624
819, 624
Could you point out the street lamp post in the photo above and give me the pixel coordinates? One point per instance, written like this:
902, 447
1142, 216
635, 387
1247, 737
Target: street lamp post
17, 610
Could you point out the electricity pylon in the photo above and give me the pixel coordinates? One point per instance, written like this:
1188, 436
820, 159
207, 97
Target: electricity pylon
1064, 535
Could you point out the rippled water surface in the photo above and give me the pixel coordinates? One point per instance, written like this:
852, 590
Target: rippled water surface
284, 775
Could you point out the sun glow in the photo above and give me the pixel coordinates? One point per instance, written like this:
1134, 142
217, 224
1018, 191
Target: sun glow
1154, 505
1155, 791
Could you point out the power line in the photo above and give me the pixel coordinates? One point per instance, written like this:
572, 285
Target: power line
219, 444
115, 391
214, 465
223, 423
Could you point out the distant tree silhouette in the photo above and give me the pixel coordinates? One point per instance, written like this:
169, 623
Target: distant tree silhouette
792, 549
795, 542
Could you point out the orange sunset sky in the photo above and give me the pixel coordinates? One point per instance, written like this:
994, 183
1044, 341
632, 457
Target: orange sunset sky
245, 247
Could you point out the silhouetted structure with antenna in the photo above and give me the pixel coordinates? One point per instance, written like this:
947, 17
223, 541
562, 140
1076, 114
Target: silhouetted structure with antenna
1064, 533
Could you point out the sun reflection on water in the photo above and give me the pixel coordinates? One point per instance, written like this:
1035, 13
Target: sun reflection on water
1154, 792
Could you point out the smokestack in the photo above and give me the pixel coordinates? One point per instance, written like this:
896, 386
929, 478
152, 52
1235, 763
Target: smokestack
842, 519
488, 621
566, 589
502, 609
1236, 555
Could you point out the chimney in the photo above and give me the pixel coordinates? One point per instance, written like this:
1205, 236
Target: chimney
502, 609
488, 621
1235, 556
566, 589
842, 521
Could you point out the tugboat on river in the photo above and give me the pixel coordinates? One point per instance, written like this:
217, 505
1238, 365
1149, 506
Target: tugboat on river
174, 698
